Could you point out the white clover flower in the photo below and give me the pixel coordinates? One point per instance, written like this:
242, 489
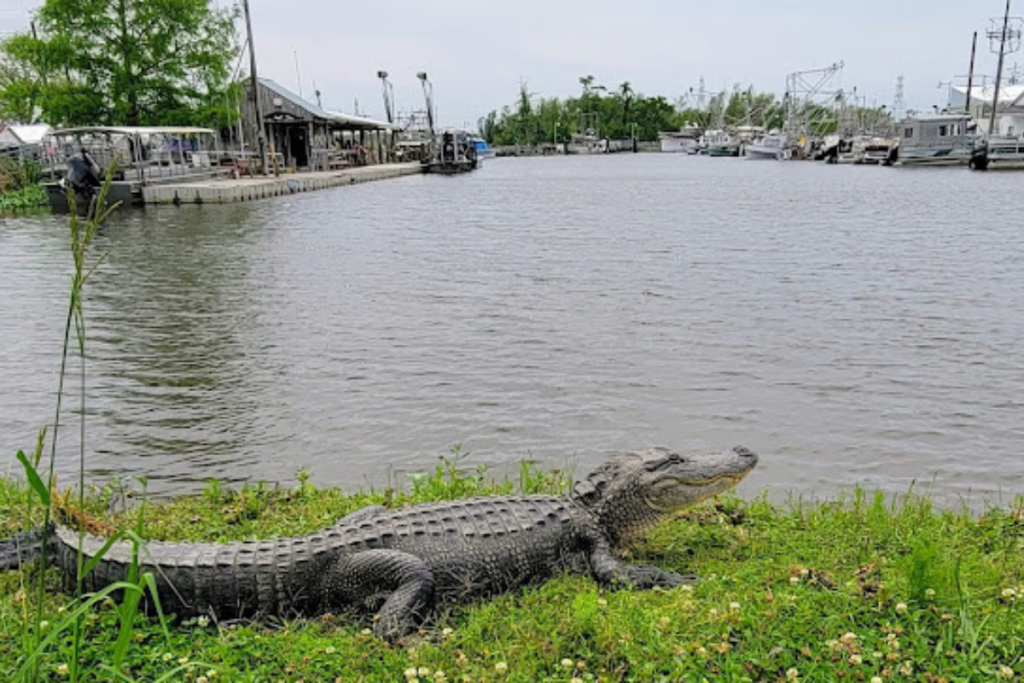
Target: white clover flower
792, 675
734, 607
793, 579
62, 669
930, 594
855, 659
876, 679
202, 622
183, 660
423, 671
501, 668
410, 673
901, 608
439, 676
848, 637
566, 663
202, 679
1005, 672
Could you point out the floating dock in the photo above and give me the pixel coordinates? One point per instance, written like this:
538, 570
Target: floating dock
230, 190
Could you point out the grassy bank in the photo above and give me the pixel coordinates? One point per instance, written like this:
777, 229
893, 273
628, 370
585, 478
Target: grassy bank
857, 589
30, 197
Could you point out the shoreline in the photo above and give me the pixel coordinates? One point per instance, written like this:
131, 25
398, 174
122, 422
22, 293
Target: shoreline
861, 588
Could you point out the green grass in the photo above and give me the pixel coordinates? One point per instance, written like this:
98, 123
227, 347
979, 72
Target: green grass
848, 590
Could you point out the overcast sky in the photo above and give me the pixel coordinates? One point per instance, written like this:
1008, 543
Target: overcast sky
476, 52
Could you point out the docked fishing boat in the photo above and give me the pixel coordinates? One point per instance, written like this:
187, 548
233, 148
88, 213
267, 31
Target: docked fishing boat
769, 146
587, 143
719, 143
936, 140
998, 152
685, 140
455, 152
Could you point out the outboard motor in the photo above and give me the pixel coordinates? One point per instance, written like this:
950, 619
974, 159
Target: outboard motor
83, 175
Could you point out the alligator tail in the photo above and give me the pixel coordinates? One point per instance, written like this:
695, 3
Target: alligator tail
22, 548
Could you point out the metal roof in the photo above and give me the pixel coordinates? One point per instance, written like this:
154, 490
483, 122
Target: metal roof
345, 120
29, 134
1008, 94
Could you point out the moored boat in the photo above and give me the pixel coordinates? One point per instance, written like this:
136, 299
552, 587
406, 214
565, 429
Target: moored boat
936, 140
770, 146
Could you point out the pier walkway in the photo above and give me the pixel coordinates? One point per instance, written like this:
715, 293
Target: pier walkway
227, 190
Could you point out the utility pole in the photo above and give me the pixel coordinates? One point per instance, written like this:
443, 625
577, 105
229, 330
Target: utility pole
970, 74
257, 104
1009, 40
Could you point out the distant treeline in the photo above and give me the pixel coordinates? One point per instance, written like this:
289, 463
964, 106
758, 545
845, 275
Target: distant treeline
622, 113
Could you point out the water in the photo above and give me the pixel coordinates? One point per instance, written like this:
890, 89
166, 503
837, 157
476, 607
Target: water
852, 325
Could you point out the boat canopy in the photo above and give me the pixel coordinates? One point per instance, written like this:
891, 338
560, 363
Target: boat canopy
134, 130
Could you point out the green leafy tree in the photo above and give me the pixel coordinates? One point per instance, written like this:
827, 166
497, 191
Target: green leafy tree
121, 62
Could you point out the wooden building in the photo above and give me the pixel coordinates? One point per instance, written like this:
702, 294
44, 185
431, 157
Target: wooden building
302, 136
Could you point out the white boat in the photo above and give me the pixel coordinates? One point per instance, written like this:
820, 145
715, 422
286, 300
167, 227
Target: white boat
936, 140
587, 144
684, 140
718, 143
770, 146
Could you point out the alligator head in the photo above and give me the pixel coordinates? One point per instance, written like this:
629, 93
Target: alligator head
632, 492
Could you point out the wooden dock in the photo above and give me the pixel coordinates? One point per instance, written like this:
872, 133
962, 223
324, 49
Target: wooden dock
227, 190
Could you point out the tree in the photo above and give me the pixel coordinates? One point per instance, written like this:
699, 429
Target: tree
122, 62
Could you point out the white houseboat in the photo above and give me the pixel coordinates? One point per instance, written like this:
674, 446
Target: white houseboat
936, 140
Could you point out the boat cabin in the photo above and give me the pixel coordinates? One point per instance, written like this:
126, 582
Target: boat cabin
936, 139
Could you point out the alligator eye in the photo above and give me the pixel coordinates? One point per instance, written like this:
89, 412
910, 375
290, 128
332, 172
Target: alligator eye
669, 459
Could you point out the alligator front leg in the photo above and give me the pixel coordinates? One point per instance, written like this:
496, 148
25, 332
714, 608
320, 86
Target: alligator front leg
403, 580
610, 571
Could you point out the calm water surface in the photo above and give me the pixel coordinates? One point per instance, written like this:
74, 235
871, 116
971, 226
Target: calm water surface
853, 325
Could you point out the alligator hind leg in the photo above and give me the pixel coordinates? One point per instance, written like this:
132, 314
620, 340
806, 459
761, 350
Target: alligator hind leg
403, 580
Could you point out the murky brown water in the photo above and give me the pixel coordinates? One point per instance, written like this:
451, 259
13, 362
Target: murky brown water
853, 325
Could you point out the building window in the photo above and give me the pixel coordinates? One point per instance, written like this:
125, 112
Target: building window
943, 131
908, 132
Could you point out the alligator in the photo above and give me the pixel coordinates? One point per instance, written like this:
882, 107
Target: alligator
400, 565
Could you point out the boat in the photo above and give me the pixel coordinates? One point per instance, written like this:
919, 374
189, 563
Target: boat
998, 152
455, 152
769, 146
685, 140
483, 150
77, 159
936, 140
718, 143
587, 143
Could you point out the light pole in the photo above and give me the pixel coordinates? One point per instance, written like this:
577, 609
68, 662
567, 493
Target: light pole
389, 95
428, 95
